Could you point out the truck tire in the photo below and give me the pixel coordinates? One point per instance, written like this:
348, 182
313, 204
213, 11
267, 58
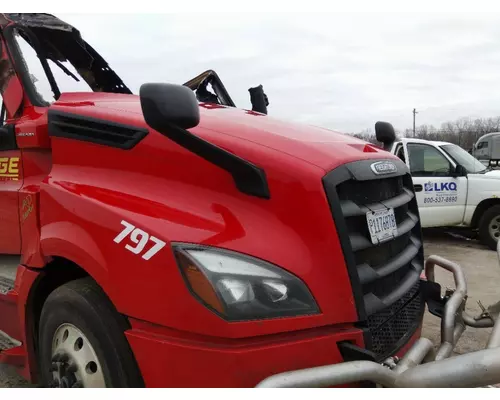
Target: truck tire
82, 342
489, 227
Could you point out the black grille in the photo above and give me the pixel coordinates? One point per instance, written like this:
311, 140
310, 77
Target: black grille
393, 332
370, 192
385, 276
375, 320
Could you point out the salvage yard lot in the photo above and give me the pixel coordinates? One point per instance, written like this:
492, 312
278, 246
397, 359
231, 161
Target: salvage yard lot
482, 272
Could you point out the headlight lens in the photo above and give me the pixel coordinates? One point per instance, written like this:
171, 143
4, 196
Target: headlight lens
239, 287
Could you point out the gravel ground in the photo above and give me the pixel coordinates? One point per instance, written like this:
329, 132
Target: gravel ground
482, 271
10, 379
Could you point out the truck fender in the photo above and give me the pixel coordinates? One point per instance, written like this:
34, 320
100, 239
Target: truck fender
70, 241
58, 239
481, 208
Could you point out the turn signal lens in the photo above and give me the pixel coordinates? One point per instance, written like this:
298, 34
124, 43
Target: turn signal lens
198, 283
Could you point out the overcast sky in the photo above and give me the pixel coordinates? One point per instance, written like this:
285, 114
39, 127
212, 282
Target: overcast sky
339, 71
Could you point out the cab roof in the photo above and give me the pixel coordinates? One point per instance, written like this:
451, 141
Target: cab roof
35, 20
489, 135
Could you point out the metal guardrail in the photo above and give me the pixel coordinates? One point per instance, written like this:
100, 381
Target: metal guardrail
421, 366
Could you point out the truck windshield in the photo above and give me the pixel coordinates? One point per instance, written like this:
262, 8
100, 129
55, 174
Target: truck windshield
57, 61
65, 76
460, 156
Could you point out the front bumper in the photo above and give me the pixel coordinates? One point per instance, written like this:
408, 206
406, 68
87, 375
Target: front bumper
169, 359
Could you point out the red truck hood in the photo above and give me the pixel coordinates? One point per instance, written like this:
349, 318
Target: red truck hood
321, 147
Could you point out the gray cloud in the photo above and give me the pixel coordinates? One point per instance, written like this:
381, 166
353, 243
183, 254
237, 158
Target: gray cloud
340, 71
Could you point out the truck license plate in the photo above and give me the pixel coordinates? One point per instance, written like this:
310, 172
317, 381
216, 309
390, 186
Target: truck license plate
382, 225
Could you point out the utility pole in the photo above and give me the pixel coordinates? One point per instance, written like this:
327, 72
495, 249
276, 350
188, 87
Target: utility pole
414, 113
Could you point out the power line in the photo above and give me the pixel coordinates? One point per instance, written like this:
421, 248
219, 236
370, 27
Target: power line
414, 114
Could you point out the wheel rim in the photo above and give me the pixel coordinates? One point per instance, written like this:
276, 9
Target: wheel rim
74, 361
494, 228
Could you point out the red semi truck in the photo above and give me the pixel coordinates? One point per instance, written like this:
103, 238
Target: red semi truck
152, 240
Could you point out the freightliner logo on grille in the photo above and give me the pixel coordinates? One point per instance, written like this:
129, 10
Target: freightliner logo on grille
384, 167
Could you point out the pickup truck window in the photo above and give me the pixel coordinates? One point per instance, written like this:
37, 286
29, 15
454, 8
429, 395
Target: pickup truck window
426, 160
460, 156
400, 152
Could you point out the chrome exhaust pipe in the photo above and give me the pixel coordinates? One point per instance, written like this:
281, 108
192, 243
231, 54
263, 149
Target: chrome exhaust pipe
479, 368
332, 375
475, 369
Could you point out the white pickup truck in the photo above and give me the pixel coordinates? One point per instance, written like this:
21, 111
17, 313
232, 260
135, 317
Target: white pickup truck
452, 187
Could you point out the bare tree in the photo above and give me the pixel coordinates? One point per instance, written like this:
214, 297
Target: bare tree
462, 131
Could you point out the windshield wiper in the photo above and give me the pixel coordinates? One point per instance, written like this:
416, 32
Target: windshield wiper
42, 56
57, 62
64, 69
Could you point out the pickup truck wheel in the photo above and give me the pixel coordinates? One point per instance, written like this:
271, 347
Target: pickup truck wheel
489, 227
81, 340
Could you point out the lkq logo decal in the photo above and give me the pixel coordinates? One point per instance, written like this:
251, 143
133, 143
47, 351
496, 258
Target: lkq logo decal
440, 187
384, 167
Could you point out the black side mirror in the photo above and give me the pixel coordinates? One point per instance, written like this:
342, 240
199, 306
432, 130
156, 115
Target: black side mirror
258, 99
385, 133
165, 104
460, 170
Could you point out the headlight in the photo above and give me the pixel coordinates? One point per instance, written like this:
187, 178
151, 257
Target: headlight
239, 287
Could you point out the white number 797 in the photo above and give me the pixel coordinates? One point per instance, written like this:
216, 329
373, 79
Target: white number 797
140, 238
